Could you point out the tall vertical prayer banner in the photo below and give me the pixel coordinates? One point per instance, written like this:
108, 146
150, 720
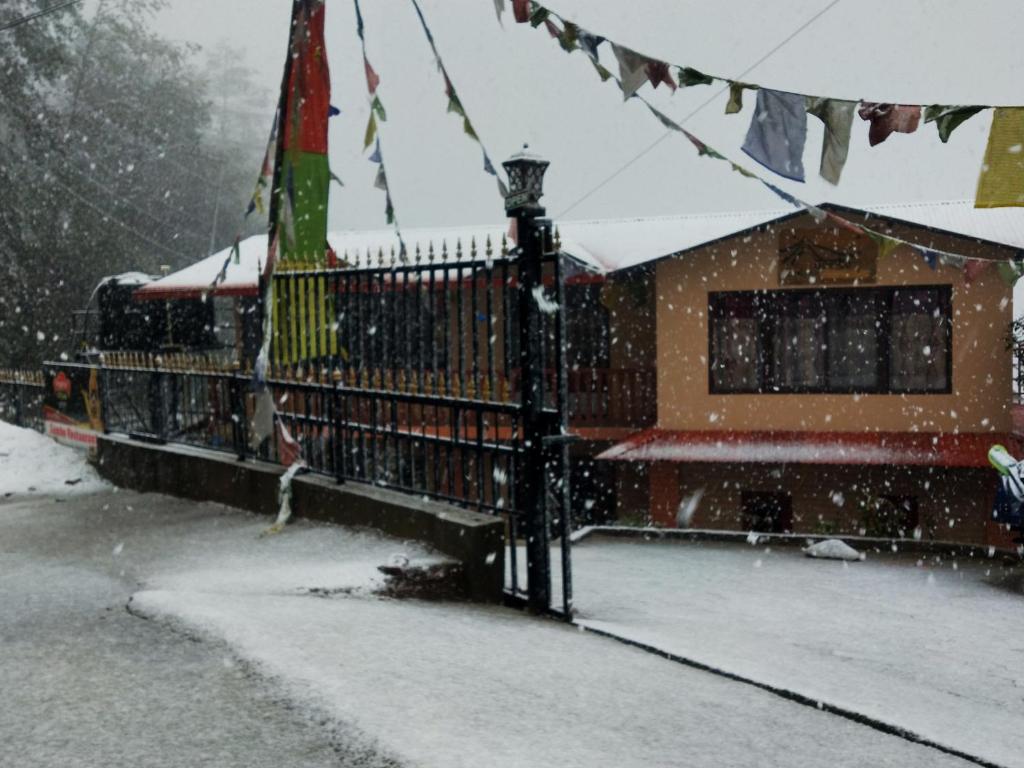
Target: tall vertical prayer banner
1001, 183
298, 213
299, 194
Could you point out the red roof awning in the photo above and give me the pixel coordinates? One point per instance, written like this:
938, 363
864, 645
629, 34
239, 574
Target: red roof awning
858, 448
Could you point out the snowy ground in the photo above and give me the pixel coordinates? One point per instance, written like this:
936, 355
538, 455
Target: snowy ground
421, 684
31, 463
933, 646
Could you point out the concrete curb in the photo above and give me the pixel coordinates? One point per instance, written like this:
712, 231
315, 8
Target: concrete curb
862, 543
475, 540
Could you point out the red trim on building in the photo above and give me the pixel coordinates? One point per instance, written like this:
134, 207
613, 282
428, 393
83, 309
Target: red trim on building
837, 448
151, 293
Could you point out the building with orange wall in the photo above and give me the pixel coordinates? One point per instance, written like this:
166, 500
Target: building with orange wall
807, 381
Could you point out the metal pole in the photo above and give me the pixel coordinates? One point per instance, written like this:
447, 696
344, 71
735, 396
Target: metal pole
532, 236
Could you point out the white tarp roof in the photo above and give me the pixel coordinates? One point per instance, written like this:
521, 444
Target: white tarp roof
604, 245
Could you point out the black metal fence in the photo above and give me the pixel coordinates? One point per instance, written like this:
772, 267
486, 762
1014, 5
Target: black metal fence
21, 398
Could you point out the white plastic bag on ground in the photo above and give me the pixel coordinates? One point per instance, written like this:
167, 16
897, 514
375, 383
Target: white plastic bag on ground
833, 549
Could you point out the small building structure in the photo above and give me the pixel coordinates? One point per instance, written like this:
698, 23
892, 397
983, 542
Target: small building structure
808, 382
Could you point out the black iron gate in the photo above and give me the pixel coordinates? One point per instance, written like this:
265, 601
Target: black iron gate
439, 375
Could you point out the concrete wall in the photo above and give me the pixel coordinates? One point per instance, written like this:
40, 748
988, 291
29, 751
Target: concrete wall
477, 541
979, 402
953, 504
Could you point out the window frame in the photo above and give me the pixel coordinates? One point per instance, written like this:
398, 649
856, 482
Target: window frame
883, 297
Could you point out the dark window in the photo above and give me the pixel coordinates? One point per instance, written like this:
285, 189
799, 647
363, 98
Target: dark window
865, 340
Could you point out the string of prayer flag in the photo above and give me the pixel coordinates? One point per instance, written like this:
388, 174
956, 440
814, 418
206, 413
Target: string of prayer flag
1001, 181
971, 266
455, 103
372, 133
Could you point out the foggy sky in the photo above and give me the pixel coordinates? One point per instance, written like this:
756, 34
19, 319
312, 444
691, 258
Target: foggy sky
518, 85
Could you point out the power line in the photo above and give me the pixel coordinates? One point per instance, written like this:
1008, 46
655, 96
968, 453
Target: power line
618, 172
37, 15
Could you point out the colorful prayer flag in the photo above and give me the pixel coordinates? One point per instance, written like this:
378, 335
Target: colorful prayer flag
837, 116
372, 78
948, 119
301, 170
777, 133
688, 76
1001, 183
887, 119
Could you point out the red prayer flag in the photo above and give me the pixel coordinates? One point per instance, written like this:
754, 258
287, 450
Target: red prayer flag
521, 10
372, 78
973, 269
658, 73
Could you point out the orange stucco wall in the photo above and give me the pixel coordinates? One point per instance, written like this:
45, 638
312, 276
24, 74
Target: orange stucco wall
982, 310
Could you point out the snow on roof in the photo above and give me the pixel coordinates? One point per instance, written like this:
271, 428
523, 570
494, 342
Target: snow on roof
128, 278
864, 448
602, 245
1004, 226
242, 279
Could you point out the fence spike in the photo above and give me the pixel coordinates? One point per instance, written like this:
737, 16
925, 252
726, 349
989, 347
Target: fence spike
504, 245
444, 251
458, 249
418, 254
558, 240
472, 248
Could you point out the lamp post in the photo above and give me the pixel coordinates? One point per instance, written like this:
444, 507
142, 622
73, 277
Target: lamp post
526, 187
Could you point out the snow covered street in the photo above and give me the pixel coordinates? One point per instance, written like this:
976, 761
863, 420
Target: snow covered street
934, 646
261, 649
86, 684
291, 634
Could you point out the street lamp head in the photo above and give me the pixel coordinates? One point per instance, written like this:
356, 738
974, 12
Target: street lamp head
525, 183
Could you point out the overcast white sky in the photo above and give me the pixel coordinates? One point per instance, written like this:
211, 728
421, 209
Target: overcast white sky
518, 85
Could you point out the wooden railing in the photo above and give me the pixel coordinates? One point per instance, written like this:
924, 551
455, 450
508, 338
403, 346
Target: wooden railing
612, 397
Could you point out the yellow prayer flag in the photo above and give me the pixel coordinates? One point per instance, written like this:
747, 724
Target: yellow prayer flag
1001, 184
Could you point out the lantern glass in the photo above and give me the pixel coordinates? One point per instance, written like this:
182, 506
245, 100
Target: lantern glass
525, 181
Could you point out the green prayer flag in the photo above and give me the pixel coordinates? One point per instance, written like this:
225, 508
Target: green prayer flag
1010, 271
455, 105
689, 76
948, 119
468, 128
378, 107
539, 16
570, 33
